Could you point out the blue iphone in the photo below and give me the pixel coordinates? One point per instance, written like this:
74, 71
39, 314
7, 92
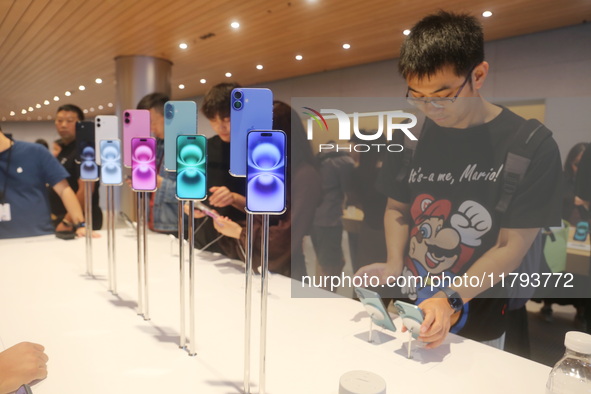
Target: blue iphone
266, 171
106, 128
136, 124
375, 308
411, 315
251, 109
86, 151
143, 164
191, 167
180, 117
110, 154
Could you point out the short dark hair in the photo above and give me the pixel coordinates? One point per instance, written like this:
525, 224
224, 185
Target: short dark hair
217, 100
72, 108
153, 100
439, 40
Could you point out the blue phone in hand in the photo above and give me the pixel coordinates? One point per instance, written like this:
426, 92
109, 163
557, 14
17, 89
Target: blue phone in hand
266, 172
412, 317
375, 308
251, 109
180, 118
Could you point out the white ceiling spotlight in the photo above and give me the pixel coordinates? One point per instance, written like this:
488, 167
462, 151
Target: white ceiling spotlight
487, 14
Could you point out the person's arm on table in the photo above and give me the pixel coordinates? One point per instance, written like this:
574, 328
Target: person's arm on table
504, 257
70, 200
221, 196
396, 227
21, 364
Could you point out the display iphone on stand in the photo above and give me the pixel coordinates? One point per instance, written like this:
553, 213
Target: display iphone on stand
143, 164
250, 109
106, 128
86, 151
136, 124
111, 170
180, 118
266, 172
191, 167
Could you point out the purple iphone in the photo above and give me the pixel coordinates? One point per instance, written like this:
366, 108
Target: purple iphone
266, 171
136, 124
143, 164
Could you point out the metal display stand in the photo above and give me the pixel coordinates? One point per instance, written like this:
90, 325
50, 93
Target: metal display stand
88, 220
264, 297
248, 302
181, 234
142, 253
111, 239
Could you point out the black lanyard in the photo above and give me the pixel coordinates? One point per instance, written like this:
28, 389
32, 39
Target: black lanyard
3, 192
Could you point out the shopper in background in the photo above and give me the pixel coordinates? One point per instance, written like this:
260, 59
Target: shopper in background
583, 199
303, 196
163, 203
21, 364
439, 219
336, 169
65, 123
56, 147
25, 170
225, 192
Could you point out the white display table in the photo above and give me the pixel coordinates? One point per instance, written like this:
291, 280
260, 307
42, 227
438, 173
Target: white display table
97, 344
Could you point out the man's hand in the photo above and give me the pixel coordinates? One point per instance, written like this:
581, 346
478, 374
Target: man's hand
197, 213
220, 196
381, 270
437, 321
228, 227
22, 364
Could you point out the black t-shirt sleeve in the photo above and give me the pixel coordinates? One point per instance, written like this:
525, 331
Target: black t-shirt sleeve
583, 179
386, 181
538, 200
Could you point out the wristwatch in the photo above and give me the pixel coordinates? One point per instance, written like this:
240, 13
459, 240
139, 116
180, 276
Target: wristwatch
454, 299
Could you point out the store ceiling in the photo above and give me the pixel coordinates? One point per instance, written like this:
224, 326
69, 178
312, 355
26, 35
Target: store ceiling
48, 47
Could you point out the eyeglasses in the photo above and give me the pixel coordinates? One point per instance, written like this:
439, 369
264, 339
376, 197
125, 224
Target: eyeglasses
437, 102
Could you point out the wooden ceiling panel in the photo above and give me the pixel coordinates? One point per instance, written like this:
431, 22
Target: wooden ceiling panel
50, 46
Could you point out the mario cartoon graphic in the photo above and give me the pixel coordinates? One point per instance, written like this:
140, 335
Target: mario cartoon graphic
442, 242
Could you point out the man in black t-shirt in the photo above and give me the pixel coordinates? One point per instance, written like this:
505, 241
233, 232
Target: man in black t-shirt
65, 123
441, 221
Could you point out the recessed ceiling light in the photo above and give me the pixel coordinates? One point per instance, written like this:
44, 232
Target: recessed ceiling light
38, 106
39, 118
12, 113
48, 117
235, 25
85, 111
24, 111
181, 86
91, 109
30, 109
183, 45
202, 80
346, 46
68, 93
56, 98
228, 75
100, 107
4, 119
487, 14
46, 102
110, 105
406, 32
259, 66
299, 57
98, 80
82, 87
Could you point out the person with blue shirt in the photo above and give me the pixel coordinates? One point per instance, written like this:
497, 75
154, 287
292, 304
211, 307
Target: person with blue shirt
25, 170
